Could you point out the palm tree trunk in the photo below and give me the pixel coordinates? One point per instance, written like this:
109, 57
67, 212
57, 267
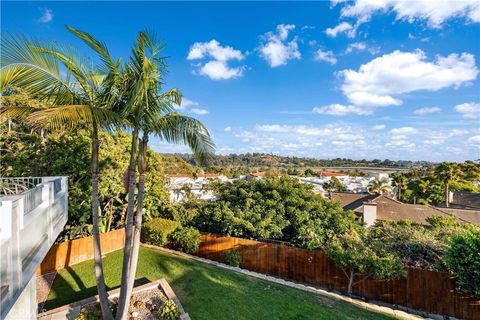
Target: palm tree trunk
447, 195
101, 288
122, 302
142, 164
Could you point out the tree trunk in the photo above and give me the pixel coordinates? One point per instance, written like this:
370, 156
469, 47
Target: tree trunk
122, 302
350, 282
142, 164
447, 195
101, 288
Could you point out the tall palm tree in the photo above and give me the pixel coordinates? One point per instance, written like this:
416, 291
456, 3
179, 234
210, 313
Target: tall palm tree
448, 172
150, 111
84, 96
379, 186
401, 183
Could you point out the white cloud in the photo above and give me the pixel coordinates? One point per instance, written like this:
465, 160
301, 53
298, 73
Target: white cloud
435, 13
46, 17
341, 110
361, 46
326, 56
276, 50
301, 129
217, 68
214, 50
199, 111
400, 144
404, 131
227, 129
186, 103
470, 110
427, 110
343, 27
379, 82
191, 106
378, 127
475, 140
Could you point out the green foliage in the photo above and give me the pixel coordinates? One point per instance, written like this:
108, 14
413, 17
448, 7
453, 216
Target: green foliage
186, 239
275, 208
428, 185
233, 258
463, 258
168, 311
334, 185
158, 230
357, 257
415, 245
68, 153
92, 312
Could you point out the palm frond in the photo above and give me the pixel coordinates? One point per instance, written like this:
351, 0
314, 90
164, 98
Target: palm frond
71, 116
179, 129
17, 112
39, 74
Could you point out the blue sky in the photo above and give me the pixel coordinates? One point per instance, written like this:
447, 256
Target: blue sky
392, 79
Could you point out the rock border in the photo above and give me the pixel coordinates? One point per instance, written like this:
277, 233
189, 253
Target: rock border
380, 307
69, 311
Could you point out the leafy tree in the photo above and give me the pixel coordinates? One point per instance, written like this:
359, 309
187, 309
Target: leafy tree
357, 258
275, 207
309, 172
463, 258
415, 245
334, 185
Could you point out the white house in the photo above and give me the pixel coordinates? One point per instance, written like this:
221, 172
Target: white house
178, 185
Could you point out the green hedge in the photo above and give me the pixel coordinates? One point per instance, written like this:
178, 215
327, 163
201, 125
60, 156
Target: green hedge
186, 239
158, 230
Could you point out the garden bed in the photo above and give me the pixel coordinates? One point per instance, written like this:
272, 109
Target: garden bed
149, 301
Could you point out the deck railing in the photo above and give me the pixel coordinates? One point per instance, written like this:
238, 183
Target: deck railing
33, 212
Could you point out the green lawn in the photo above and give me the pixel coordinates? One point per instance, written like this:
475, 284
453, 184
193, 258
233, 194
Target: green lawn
206, 291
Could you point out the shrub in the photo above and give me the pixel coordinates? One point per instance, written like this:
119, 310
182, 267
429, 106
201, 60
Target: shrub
463, 258
89, 313
233, 258
168, 311
186, 239
157, 231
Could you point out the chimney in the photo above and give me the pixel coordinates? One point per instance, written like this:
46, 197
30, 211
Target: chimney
369, 213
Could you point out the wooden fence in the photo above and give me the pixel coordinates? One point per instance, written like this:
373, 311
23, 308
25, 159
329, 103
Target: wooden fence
433, 292
69, 253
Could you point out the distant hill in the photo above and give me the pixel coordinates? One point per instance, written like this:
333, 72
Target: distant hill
262, 160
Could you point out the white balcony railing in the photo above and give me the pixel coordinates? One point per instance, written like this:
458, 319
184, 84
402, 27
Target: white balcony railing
33, 211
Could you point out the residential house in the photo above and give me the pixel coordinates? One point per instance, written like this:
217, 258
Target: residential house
178, 185
370, 208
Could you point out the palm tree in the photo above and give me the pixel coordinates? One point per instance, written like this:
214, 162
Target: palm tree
151, 112
379, 186
84, 96
401, 182
448, 172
